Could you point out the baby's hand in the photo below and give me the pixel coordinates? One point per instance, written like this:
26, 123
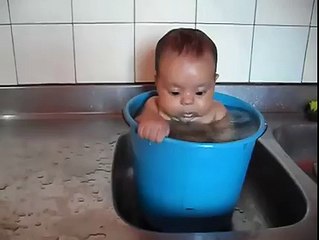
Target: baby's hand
153, 129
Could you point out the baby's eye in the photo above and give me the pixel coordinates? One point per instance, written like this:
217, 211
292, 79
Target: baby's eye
174, 93
200, 93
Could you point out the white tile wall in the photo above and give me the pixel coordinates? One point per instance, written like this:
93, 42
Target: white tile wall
284, 12
7, 69
165, 10
44, 53
233, 46
310, 71
100, 41
278, 54
227, 11
103, 11
4, 13
104, 53
147, 36
40, 11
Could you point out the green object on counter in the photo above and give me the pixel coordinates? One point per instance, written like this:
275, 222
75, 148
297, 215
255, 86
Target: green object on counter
313, 105
311, 110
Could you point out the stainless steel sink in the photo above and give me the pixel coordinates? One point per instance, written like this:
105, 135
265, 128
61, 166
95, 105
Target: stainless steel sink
299, 141
56, 157
270, 198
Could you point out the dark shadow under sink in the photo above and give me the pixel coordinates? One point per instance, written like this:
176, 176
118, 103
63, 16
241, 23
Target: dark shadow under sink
269, 198
299, 141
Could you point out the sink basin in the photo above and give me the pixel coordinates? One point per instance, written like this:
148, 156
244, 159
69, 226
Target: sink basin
269, 198
299, 141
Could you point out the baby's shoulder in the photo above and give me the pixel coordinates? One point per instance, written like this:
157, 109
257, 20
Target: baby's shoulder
219, 111
151, 102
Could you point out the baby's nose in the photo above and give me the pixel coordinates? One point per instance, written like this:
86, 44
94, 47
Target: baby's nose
187, 99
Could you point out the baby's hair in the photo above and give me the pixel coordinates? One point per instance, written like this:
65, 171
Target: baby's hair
185, 40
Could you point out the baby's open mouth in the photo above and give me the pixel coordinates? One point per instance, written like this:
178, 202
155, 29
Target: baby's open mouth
189, 115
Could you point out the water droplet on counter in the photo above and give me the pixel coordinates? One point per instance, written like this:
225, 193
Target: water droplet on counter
3, 186
45, 183
40, 176
81, 199
96, 236
95, 191
67, 158
99, 199
37, 224
21, 214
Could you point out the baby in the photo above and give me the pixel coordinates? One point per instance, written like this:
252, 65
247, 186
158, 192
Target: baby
185, 76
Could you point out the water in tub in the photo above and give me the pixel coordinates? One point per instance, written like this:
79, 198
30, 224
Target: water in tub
242, 124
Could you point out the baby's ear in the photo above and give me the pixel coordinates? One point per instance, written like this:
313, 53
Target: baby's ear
216, 76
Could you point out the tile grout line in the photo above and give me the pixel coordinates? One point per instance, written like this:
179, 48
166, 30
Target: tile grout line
155, 23
13, 45
134, 42
73, 44
307, 43
196, 6
252, 43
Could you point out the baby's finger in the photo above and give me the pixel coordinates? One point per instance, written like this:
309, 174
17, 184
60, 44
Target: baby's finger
161, 134
148, 132
159, 137
166, 131
153, 134
140, 131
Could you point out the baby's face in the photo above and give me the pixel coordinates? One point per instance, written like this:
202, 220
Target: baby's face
185, 85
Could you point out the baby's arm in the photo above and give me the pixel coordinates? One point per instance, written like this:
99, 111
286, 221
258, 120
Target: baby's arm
150, 124
226, 130
222, 123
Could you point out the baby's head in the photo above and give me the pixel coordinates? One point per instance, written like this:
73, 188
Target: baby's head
185, 65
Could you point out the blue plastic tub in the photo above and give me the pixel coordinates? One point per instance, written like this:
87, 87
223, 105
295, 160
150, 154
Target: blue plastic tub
186, 179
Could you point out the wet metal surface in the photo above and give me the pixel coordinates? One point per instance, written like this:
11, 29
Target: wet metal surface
56, 184
56, 160
55, 179
300, 142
